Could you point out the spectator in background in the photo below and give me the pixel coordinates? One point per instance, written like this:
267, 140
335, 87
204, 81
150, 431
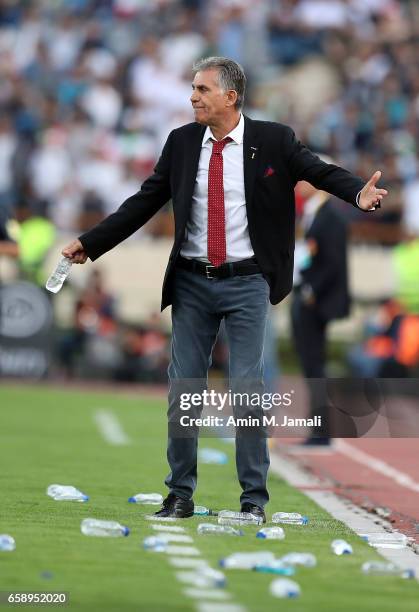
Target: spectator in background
94, 318
320, 295
36, 238
77, 73
391, 346
8, 247
406, 266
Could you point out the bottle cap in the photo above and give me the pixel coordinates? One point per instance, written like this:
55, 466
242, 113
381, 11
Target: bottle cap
132, 500
126, 531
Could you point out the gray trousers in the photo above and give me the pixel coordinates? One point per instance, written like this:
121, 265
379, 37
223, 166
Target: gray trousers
199, 305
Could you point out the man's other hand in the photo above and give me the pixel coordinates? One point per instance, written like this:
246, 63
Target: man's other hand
370, 196
75, 252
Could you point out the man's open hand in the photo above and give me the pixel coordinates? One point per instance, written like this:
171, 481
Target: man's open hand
370, 195
75, 252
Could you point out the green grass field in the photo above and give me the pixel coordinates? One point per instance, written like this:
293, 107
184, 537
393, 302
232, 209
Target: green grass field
50, 436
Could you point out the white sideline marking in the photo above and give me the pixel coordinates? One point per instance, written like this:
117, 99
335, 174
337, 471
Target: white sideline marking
355, 518
219, 607
176, 537
206, 594
187, 551
163, 519
110, 428
187, 577
186, 563
402, 479
169, 528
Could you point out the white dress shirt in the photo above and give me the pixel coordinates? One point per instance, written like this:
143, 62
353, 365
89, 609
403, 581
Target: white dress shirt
237, 233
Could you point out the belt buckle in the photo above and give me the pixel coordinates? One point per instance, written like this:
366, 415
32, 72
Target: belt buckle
208, 272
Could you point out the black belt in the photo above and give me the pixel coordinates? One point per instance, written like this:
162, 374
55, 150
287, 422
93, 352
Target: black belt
226, 270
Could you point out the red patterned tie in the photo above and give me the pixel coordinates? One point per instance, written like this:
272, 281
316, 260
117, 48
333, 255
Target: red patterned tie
216, 213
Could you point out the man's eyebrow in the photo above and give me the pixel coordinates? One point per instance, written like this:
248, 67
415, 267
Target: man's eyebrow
199, 86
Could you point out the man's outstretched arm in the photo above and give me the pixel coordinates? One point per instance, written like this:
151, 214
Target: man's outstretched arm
130, 216
306, 166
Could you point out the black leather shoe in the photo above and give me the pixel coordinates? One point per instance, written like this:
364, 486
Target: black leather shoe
176, 506
253, 509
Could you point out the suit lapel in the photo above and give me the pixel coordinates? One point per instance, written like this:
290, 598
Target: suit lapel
193, 152
251, 154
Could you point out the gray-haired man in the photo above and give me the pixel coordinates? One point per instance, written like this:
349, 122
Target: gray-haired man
231, 181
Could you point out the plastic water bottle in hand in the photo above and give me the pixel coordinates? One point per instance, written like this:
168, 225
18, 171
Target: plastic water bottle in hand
289, 518
341, 547
277, 566
305, 559
153, 499
57, 278
214, 529
66, 493
383, 568
271, 533
104, 529
7, 543
285, 588
230, 517
242, 560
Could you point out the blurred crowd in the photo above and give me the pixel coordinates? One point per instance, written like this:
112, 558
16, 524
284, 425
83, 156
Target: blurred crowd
89, 90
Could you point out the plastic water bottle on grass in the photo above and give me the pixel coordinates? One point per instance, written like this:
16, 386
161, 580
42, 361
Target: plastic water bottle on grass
383, 568
271, 533
155, 543
66, 493
214, 529
203, 511
7, 543
289, 518
153, 499
341, 547
305, 559
387, 540
104, 529
277, 566
285, 588
242, 560
229, 517
212, 455
203, 577
57, 278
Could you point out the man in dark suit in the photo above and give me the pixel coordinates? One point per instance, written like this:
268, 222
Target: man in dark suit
321, 294
231, 181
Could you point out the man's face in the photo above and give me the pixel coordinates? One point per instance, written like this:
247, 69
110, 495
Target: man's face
209, 101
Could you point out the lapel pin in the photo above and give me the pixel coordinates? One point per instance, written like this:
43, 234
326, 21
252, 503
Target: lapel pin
253, 149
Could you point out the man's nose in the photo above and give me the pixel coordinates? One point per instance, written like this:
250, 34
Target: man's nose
194, 97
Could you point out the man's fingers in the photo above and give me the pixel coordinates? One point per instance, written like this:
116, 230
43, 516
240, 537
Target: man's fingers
75, 252
374, 179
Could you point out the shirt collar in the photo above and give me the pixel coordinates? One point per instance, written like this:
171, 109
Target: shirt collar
236, 135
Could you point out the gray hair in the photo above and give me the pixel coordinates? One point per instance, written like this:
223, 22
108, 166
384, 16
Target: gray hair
230, 75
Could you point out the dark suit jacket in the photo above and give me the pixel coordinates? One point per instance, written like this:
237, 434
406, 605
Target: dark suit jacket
269, 199
328, 272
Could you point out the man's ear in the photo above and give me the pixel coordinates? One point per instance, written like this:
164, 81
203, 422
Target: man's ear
231, 97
